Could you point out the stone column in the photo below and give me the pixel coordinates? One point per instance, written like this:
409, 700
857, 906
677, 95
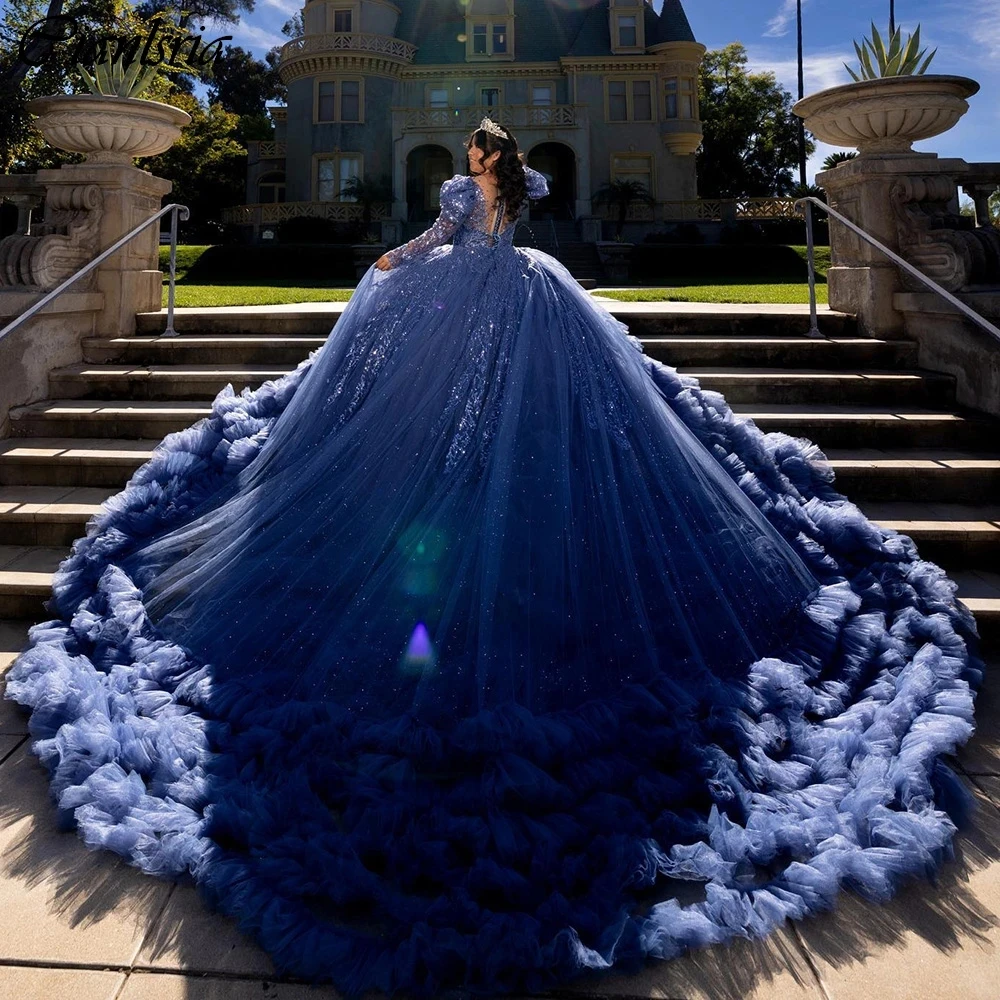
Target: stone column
130, 280
871, 191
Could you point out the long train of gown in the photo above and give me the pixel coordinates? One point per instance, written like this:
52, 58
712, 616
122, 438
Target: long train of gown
448, 659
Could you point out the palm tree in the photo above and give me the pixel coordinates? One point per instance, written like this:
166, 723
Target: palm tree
623, 195
892, 18
368, 193
835, 159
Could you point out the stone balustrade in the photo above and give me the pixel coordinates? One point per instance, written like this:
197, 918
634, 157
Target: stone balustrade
465, 119
262, 150
277, 212
980, 183
348, 41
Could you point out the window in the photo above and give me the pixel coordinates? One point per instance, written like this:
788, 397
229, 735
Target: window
438, 98
499, 38
271, 189
628, 36
642, 101
339, 101
617, 101
680, 98
541, 97
350, 101
342, 20
327, 101
490, 97
489, 37
633, 167
333, 173
630, 101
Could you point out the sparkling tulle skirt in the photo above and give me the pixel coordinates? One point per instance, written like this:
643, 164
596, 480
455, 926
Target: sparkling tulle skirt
483, 649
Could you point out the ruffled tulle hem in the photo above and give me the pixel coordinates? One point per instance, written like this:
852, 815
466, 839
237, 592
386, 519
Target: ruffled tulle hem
513, 850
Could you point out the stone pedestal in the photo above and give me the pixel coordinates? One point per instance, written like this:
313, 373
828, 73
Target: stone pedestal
873, 192
948, 342
130, 280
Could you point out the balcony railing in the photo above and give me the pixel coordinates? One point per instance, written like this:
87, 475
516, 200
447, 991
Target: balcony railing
514, 116
728, 209
260, 150
272, 213
383, 45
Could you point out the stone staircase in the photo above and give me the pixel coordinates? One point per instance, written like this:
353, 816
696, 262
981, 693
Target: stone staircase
902, 448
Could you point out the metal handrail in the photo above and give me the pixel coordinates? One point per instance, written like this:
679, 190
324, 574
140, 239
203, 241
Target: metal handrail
980, 321
175, 210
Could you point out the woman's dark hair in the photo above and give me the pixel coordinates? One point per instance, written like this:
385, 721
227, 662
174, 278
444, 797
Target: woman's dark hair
513, 188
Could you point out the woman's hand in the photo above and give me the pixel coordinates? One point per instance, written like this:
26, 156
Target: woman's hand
383, 263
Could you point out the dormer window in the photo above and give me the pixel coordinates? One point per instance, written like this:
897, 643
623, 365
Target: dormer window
628, 36
489, 37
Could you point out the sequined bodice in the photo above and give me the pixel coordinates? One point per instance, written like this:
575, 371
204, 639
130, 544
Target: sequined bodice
467, 220
482, 229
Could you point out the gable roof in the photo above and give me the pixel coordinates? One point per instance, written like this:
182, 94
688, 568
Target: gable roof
545, 29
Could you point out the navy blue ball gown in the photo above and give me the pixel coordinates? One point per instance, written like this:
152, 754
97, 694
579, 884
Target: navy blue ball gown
482, 650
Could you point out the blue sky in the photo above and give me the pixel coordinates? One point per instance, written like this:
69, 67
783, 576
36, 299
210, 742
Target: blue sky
965, 32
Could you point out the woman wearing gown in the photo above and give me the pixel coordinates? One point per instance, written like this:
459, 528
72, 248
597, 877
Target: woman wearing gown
483, 650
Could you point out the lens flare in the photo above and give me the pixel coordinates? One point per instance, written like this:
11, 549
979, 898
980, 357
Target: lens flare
419, 658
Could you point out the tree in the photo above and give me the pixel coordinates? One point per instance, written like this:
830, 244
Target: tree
217, 10
368, 192
622, 195
750, 144
835, 159
207, 165
242, 83
47, 64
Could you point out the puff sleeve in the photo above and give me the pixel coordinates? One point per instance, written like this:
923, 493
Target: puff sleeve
538, 186
458, 196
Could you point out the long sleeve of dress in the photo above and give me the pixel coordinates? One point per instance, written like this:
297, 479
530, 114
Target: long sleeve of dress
458, 197
538, 186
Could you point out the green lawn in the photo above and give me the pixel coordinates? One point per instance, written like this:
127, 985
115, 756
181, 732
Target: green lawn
730, 289
734, 293
252, 295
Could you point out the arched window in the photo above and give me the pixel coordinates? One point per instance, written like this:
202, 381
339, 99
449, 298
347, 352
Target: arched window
271, 189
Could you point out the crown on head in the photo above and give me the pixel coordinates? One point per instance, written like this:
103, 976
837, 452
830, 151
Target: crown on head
490, 126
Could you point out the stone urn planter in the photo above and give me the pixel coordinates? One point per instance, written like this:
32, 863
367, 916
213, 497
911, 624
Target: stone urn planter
107, 129
365, 254
887, 115
614, 258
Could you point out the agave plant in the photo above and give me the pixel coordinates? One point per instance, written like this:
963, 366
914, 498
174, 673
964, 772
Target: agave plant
879, 60
112, 78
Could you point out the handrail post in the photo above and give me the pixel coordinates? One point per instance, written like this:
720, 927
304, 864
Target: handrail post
951, 299
811, 254
170, 331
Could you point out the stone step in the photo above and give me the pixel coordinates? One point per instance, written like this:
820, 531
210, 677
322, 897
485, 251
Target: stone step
71, 461
644, 319
925, 475
26, 580
783, 352
193, 350
743, 385
775, 352
956, 536
121, 418
874, 426
875, 388
47, 515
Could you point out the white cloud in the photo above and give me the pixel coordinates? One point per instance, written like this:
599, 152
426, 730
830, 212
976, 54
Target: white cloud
782, 22
821, 70
287, 7
257, 39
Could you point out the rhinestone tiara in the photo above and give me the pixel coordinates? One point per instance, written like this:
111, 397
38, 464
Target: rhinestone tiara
490, 126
